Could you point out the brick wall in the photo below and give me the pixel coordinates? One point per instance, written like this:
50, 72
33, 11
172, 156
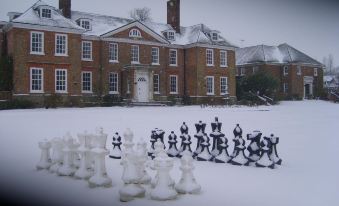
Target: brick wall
1, 42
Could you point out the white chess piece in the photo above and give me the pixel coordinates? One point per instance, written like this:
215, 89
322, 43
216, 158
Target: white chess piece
163, 189
68, 168
132, 170
143, 157
100, 178
84, 150
187, 183
57, 155
45, 160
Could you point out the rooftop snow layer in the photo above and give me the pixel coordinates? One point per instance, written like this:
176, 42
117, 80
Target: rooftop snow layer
283, 53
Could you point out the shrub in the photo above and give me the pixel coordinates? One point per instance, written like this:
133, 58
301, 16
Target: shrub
6, 73
16, 104
111, 100
53, 101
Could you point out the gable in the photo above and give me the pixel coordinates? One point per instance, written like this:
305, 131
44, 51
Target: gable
146, 33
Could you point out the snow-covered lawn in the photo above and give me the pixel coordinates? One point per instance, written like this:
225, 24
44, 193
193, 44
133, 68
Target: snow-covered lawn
309, 143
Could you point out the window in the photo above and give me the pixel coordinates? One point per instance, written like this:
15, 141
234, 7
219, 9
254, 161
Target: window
37, 43
285, 87
210, 85
37, 80
60, 80
113, 83
223, 58
214, 36
315, 72
255, 69
170, 35
135, 33
155, 55
209, 57
173, 57
113, 52
223, 86
298, 70
242, 71
46, 13
87, 50
87, 82
156, 84
135, 54
86, 24
173, 84
128, 86
61, 45
285, 70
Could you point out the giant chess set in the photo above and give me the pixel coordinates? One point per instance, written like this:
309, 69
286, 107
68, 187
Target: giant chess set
84, 158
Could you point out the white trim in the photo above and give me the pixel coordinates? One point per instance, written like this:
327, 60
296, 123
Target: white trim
285, 85
176, 58
66, 45
46, 28
91, 83
176, 84
82, 20
212, 56
209, 46
223, 93
213, 85
66, 82
42, 81
82, 51
42, 43
137, 35
109, 53
158, 55
299, 70
315, 72
158, 83
132, 54
284, 70
226, 62
109, 82
132, 41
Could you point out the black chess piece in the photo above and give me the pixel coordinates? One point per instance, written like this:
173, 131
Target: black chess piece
205, 154
185, 140
200, 127
216, 135
223, 156
115, 153
273, 150
239, 157
172, 148
159, 134
237, 134
153, 141
184, 128
265, 160
254, 147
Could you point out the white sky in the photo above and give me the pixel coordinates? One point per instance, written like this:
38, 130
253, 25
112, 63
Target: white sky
311, 26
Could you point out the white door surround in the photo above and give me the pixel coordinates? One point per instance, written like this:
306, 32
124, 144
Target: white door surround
308, 86
142, 86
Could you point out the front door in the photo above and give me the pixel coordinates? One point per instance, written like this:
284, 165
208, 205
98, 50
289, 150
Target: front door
142, 89
307, 90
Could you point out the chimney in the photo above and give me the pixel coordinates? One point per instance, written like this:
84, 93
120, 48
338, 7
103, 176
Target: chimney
65, 7
173, 14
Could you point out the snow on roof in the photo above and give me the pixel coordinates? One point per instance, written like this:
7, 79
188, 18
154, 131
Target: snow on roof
31, 16
283, 53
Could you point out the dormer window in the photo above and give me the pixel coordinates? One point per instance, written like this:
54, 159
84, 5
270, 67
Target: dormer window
45, 13
135, 33
85, 23
214, 36
170, 35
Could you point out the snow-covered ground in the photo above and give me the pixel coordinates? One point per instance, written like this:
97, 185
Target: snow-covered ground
309, 145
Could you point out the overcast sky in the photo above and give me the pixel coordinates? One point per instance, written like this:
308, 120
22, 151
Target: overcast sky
311, 26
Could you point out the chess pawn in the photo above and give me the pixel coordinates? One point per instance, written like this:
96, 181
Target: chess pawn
239, 155
187, 183
253, 148
186, 144
116, 151
100, 178
162, 190
84, 150
223, 157
143, 157
265, 160
216, 135
172, 149
200, 127
237, 131
45, 160
205, 154
273, 152
68, 168
153, 141
57, 155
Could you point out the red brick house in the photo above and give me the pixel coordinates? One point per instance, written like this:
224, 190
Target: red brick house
298, 74
80, 55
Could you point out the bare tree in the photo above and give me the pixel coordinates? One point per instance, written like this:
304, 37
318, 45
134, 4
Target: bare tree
329, 64
141, 14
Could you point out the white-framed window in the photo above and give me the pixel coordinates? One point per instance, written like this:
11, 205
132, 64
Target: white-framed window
171, 35
113, 52
87, 50
242, 71
223, 58
37, 43
214, 36
135, 54
210, 85
315, 72
135, 33
285, 87
113, 83
61, 80
285, 70
85, 23
46, 13
299, 70
156, 83
173, 84
61, 44
173, 56
255, 69
155, 55
223, 86
209, 57
86, 82
36, 80
128, 86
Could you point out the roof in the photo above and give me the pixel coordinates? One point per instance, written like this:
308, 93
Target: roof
281, 54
